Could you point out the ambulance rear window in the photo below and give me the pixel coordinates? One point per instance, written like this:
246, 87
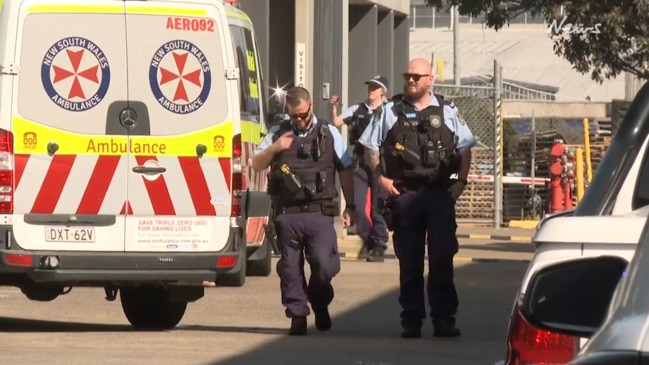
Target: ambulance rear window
247, 59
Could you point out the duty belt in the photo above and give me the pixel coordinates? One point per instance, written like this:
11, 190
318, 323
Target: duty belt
312, 207
417, 186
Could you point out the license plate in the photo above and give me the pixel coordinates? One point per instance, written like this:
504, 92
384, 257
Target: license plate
70, 234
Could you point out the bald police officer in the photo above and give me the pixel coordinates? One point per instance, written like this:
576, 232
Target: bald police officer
304, 154
424, 142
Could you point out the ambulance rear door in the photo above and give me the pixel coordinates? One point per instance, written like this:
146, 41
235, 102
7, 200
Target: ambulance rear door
70, 160
181, 142
253, 126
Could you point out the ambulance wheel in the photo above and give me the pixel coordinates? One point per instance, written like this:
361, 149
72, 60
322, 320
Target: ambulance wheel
263, 266
149, 308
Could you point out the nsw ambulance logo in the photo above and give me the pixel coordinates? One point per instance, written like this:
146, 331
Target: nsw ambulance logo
75, 74
30, 140
180, 77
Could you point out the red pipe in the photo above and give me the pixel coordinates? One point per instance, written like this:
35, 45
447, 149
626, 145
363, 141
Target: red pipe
556, 172
568, 184
568, 195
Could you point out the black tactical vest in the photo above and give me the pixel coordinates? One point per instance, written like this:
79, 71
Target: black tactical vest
304, 173
419, 149
359, 120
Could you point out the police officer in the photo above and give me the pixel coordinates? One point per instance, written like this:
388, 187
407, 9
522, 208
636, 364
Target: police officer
424, 141
374, 234
304, 154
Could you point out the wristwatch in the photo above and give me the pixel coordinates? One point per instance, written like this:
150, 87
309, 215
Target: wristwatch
350, 207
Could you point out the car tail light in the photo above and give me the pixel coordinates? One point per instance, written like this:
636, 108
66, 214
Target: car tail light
237, 177
6, 172
529, 345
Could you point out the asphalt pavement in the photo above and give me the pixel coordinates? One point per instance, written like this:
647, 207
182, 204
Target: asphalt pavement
477, 244
233, 326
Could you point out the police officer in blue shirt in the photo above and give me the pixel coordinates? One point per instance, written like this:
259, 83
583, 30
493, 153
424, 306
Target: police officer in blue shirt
304, 154
374, 234
424, 141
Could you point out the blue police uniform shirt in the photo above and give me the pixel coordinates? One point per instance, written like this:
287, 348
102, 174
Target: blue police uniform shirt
347, 114
339, 144
376, 132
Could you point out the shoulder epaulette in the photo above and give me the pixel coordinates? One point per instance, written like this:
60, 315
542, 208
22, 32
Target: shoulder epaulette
283, 127
324, 127
450, 103
396, 97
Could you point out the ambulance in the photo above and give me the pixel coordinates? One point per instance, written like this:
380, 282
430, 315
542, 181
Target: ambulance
126, 132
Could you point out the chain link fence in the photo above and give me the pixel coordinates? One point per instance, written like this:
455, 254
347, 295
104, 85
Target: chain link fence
526, 149
510, 164
476, 107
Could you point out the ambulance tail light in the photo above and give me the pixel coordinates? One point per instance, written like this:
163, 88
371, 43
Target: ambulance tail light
528, 345
226, 261
6, 172
237, 177
237, 151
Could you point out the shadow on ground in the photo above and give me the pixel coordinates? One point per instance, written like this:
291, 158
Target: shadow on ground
369, 334
24, 325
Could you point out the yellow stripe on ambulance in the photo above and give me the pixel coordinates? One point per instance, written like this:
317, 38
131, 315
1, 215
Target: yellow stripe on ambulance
117, 9
34, 138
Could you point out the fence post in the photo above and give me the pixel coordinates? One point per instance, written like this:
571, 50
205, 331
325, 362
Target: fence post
498, 193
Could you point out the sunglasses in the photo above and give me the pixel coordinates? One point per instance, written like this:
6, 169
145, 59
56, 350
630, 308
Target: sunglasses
302, 116
414, 77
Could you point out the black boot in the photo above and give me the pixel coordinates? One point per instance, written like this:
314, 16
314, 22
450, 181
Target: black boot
364, 253
445, 327
322, 318
377, 254
411, 329
411, 333
298, 326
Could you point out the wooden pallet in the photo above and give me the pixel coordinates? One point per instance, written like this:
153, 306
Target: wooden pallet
476, 202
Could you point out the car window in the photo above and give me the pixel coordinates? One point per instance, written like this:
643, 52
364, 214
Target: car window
253, 79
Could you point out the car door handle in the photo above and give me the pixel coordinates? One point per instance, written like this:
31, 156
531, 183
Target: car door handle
148, 170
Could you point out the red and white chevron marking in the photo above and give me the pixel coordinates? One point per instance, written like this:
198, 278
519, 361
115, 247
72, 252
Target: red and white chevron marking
255, 181
91, 184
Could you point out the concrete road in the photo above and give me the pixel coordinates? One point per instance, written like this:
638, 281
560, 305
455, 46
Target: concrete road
232, 326
470, 249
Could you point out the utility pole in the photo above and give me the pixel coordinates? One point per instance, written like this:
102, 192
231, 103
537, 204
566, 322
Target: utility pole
631, 86
456, 46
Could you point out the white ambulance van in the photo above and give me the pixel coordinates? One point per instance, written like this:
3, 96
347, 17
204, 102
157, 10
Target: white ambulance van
126, 129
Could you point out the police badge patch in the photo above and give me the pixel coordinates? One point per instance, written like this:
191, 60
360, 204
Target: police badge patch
435, 121
460, 119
